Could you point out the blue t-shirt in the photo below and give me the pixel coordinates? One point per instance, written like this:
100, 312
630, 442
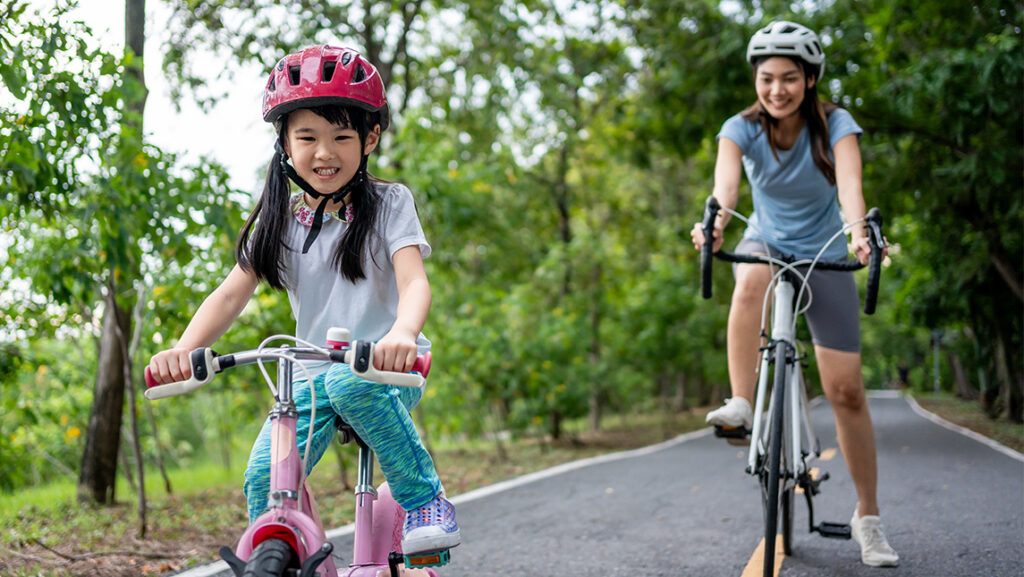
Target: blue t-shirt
795, 208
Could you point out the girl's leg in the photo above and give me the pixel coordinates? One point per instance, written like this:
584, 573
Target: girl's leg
380, 415
257, 473
844, 387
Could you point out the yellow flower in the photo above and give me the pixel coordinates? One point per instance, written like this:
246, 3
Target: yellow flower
72, 433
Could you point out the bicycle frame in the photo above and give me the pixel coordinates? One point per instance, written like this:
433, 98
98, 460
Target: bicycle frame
291, 515
783, 331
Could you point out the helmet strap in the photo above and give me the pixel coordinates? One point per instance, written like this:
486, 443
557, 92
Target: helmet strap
358, 179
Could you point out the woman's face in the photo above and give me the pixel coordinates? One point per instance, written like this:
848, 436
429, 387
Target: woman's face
780, 84
325, 155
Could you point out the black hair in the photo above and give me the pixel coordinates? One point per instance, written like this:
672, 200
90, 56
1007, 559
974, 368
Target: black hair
814, 112
261, 240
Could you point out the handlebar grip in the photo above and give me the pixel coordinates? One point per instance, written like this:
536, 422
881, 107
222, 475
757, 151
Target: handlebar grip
877, 242
711, 208
204, 366
422, 365
360, 359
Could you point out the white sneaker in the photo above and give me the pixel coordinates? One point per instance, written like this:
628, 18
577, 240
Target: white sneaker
736, 412
874, 549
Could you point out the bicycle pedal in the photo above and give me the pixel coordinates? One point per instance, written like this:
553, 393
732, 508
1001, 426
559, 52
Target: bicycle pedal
433, 559
834, 530
738, 436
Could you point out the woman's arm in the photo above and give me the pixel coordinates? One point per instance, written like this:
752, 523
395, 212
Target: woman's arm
849, 172
396, 351
210, 322
728, 172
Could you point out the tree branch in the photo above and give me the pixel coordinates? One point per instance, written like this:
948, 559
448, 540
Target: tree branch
88, 556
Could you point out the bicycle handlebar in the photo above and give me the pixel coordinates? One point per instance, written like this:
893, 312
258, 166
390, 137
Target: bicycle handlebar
206, 363
873, 222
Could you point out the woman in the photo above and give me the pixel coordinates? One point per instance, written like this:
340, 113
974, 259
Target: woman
802, 159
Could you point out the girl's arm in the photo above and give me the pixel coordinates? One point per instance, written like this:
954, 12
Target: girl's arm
728, 172
397, 350
212, 320
849, 172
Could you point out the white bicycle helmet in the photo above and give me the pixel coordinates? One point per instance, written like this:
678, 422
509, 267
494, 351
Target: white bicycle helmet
787, 39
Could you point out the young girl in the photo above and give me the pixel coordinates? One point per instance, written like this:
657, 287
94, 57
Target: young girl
349, 251
800, 157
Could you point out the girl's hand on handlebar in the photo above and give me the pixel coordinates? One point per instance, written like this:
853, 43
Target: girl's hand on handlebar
861, 248
395, 352
697, 235
171, 366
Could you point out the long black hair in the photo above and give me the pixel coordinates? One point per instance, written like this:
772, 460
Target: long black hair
261, 243
814, 112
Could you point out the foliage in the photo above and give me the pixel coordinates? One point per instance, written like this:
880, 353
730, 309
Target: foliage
559, 153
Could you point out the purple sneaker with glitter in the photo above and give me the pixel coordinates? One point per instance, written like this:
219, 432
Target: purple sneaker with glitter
430, 528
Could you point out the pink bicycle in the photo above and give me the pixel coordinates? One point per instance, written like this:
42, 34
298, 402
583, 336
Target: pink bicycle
288, 539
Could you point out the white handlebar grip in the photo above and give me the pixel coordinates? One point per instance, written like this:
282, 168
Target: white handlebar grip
204, 366
360, 358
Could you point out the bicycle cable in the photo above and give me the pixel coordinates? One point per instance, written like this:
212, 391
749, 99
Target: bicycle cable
312, 392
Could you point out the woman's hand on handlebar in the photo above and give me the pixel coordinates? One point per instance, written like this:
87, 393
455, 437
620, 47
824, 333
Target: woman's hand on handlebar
171, 366
395, 352
697, 235
861, 248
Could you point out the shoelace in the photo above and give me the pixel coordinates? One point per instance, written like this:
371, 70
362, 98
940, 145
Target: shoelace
874, 537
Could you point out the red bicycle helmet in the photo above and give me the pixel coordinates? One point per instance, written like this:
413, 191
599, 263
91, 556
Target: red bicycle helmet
322, 75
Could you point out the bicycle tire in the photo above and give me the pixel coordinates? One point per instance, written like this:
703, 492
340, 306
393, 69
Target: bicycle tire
771, 477
271, 558
787, 468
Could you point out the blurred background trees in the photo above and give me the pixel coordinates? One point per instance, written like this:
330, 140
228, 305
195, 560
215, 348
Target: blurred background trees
559, 153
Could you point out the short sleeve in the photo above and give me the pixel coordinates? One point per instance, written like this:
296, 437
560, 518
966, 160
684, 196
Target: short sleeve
737, 130
840, 124
402, 224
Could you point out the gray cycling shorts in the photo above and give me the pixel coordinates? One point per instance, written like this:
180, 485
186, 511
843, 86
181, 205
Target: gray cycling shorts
834, 314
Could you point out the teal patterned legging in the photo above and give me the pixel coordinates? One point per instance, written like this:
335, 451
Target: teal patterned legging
378, 413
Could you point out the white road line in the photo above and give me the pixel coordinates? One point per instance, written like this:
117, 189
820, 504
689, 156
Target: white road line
963, 431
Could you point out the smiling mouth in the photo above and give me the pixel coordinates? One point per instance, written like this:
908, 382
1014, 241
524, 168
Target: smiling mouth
325, 171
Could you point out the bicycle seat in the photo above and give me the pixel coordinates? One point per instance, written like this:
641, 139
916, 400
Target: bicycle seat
347, 433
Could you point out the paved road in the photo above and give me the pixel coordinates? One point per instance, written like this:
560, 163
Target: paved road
953, 507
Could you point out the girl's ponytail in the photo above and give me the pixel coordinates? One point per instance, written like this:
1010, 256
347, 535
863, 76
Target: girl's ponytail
261, 240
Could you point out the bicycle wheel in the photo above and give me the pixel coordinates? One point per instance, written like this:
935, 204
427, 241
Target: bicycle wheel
787, 469
271, 558
770, 476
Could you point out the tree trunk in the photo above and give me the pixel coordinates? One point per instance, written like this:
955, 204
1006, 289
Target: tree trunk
964, 390
103, 435
680, 404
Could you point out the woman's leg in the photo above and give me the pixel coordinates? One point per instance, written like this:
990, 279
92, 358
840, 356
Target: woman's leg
257, 472
844, 387
380, 415
744, 331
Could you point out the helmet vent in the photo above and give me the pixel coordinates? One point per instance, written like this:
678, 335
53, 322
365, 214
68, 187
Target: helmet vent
293, 74
328, 72
346, 58
360, 74
273, 84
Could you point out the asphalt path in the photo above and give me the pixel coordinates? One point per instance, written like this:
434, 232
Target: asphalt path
952, 505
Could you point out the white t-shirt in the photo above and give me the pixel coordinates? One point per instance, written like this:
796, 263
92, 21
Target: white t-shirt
322, 298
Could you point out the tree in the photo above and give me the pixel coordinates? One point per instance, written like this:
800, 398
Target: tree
94, 211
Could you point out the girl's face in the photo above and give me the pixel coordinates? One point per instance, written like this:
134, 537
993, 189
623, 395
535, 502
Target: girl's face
780, 84
325, 155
